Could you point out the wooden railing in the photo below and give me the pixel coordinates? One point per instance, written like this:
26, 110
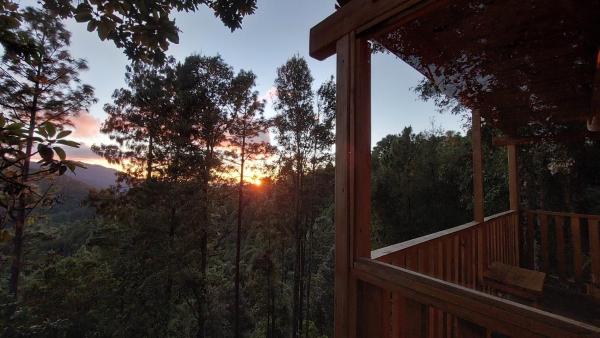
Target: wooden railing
394, 302
428, 287
461, 254
566, 245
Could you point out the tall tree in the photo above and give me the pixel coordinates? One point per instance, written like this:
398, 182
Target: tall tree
323, 140
137, 119
293, 126
40, 89
245, 135
203, 99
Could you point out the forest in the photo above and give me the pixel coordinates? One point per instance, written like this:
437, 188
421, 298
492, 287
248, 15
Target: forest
221, 221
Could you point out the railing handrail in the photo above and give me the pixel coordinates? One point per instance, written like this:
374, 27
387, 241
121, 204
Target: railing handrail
395, 248
564, 214
480, 308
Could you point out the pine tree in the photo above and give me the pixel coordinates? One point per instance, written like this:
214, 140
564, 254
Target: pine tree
204, 102
137, 121
293, 125
247, 127
41, 89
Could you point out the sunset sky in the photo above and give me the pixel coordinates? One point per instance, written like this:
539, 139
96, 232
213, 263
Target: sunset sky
278, 30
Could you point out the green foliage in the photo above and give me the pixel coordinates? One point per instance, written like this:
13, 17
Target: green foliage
41, 91
422, 183
144, 29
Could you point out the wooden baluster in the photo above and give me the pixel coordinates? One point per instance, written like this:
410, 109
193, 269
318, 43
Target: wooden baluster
402, 260
412, 259
531, 240
467, 329
448, 259
560, 246
577, 253
387, 313
414, 320
430, 271
507, 241
396, 314
370, 314
431, 258
456, 258
474, 257
493, 242
518, 234
422, 259
503, 241
440, 274
480, 255
468, 257
545, 244
514, 228
595, 249
514, 240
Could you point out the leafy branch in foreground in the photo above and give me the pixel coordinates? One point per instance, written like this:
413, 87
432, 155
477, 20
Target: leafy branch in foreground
41, 93
144, 29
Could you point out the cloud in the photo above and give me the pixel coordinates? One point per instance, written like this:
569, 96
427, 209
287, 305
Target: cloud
85, 126
262, 137
86, 155
270, 95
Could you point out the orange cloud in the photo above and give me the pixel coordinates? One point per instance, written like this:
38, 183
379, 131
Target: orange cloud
85, 126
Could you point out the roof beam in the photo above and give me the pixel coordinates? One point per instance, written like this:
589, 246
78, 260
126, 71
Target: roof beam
359, 16
569, 137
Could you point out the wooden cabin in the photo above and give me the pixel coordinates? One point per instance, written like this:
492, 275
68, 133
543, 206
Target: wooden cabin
531, 69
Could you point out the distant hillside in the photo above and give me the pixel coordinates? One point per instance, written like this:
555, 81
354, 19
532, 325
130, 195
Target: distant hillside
96, 176
72, 189
71, 193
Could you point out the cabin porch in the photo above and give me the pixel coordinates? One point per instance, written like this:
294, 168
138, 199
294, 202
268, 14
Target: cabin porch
513, 66
441, 278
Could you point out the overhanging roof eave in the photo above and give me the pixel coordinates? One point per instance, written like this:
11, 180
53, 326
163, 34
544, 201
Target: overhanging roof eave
360, 16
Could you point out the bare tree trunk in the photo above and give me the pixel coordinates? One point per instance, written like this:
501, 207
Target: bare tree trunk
17, 262
308, 284
150, 158
169, 288
238, 241
203, 292
296, 325
301, 287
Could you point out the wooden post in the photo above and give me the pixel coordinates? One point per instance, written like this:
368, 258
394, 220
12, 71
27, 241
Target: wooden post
478, 207
513, 176
513, 193
353, 176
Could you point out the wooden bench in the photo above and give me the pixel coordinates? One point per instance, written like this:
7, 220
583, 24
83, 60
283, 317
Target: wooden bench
518, 282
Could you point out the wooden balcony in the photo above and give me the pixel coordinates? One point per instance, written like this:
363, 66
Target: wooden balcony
515, 66
433, 286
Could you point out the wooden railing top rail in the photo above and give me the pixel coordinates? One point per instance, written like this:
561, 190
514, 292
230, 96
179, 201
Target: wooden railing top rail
394, 248
500, 315
564, 214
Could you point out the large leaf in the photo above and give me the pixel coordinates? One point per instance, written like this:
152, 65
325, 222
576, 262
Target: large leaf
60, 152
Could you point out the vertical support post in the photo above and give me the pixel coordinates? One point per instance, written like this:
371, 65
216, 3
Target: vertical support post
478, 207
353, 176
513, 193
513, 176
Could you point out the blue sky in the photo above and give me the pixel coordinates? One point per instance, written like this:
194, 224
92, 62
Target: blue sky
278, 30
